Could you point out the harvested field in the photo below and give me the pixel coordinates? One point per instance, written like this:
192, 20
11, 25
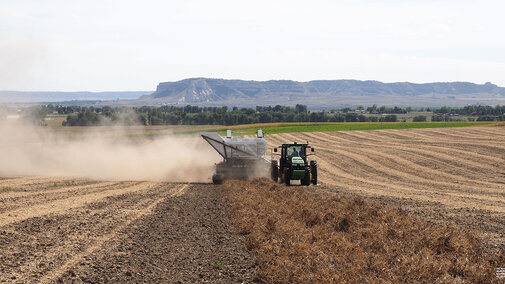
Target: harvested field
305, 235
449, 184
449, 176
117, 232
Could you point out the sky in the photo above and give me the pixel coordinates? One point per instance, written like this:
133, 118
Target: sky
57, 45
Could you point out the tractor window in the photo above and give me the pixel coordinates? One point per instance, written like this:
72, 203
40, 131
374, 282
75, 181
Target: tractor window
296, 151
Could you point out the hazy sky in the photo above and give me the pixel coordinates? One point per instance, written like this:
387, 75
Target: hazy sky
134, 45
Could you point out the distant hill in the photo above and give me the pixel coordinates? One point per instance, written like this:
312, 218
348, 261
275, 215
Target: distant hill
38, 97
321, 93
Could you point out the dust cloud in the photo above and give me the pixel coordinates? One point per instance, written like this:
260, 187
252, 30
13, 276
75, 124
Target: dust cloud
104, 153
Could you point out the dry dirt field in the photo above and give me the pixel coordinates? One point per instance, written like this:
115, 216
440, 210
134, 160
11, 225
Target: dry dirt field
66, 229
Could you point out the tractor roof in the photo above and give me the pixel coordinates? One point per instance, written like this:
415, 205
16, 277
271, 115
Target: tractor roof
296, 143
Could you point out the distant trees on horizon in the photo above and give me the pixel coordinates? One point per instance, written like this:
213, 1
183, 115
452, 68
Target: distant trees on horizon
196, 115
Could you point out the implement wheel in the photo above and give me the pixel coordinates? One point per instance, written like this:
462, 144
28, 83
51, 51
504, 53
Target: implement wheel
275, 171
217, 179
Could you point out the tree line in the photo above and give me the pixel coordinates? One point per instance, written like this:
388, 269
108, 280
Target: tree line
483, 113
196, 115
473, 110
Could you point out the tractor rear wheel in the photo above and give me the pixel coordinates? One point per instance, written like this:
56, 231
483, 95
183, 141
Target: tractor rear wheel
313, 171
275, 171
287, 177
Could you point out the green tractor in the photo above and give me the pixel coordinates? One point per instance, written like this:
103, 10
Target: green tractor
294, 165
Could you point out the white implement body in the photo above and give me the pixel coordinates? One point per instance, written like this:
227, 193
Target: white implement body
243, 158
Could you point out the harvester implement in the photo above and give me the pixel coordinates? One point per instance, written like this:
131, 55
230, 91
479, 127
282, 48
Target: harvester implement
243, 158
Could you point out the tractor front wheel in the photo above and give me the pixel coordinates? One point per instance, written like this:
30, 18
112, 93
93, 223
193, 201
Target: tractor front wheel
306, 178
287, 177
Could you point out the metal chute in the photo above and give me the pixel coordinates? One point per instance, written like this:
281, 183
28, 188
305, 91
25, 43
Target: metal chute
240, 148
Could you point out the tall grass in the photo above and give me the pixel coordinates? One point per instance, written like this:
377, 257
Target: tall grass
8, 188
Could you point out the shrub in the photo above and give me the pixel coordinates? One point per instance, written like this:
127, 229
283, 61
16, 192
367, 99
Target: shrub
419, 118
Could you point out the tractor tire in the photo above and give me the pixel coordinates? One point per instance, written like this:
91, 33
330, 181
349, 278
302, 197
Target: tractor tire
313, 171
287, 177
306, 178
275, 171
217, 179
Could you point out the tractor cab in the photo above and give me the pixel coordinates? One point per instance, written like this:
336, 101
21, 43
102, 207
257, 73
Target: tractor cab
294, 153
294, 150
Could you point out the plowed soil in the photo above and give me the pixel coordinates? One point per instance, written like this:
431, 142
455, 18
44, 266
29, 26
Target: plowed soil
448, 176
63, 230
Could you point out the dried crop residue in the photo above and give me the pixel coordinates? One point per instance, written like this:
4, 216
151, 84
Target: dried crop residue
104, 153
449, 175
306, 235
